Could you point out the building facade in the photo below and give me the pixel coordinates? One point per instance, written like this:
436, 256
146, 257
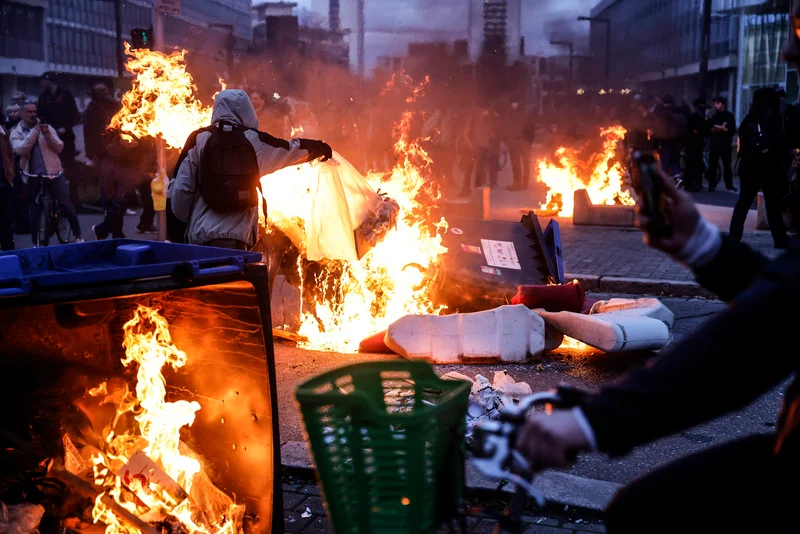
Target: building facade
495, 27
77, 38
656, 46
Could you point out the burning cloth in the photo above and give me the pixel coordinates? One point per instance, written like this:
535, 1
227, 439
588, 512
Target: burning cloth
328, 209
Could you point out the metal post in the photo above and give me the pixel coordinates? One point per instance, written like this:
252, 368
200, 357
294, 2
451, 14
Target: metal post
161, 151
118, 38
705, 48
360, 41
608, 53
571, 61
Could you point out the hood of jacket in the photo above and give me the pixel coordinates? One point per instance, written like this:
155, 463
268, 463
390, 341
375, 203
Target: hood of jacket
234, 105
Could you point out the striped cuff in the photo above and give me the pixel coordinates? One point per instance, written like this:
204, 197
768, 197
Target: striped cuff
702, 247
585, 427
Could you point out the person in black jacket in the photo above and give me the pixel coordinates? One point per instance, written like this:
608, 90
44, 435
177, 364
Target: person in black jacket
762, 152
695, 146
722, 128
746, 485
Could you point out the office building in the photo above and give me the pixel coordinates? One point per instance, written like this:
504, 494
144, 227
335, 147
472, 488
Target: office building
76, 38
656, 46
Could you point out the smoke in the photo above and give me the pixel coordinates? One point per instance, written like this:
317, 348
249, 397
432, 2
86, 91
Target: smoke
546, 20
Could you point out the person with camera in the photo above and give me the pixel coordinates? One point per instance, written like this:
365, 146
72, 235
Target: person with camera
701, 377
39, 146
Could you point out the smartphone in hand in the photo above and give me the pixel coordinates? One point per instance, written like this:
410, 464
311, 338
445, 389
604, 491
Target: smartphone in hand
648, 182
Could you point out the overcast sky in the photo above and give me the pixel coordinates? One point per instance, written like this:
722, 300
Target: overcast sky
541, 19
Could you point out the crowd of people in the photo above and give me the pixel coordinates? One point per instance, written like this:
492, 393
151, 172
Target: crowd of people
39, 154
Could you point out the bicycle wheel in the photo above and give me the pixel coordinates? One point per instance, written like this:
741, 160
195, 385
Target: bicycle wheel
62, 226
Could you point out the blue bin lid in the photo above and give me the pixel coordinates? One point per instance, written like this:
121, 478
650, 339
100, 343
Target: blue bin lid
114, 260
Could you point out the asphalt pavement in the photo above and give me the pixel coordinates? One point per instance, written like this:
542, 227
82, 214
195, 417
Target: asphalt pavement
588, 369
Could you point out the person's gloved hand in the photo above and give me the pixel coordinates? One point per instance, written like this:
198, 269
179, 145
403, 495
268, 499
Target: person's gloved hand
552, 440
316, 149
682, 215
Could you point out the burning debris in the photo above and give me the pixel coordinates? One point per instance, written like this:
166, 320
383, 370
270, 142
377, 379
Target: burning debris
142, 472
601, 175
352, 295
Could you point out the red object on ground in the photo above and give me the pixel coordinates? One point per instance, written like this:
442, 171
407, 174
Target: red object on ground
587, 305
375, 344
565, 297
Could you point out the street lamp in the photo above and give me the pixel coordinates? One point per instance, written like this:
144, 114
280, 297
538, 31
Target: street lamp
571, 55
607, 22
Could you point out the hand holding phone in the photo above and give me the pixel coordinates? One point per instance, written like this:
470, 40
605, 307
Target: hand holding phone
649, 184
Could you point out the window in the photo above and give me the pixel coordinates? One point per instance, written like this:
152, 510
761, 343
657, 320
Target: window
21, 31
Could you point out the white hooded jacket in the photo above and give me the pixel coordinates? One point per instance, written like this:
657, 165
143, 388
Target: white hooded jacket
204, 225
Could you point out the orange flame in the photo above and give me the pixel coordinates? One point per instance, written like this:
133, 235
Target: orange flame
148, 345
361, 297
389, 282
601, 176
161, 100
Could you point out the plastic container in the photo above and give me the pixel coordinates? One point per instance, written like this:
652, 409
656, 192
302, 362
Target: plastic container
617, 331
112, 261
507, 333
388, 443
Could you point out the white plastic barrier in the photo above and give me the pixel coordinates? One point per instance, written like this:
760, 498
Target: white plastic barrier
508, 334
619, 331
652, 308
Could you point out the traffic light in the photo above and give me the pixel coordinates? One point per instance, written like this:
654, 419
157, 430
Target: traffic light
142, 38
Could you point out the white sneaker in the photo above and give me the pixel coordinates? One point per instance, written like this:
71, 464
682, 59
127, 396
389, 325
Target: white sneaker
130, 212
79, 240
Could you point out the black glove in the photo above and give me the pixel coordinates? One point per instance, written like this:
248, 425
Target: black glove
316, 149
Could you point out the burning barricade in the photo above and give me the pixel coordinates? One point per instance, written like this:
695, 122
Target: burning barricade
593, 189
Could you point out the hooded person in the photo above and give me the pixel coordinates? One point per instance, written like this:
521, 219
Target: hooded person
214, 187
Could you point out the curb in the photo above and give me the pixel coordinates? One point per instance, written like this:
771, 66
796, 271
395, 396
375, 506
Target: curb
641, 286
559, 489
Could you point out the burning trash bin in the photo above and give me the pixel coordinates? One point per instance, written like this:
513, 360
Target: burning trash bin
143, 380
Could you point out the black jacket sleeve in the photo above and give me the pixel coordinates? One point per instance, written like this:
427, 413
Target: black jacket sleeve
723, 366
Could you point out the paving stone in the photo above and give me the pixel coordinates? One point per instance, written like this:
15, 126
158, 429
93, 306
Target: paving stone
586, 527
292, 522
315, 504
319, 525
291, 500
311, 489
539, 529
537, 520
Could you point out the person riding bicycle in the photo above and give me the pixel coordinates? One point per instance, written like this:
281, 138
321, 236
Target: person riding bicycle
38, 146
729, 362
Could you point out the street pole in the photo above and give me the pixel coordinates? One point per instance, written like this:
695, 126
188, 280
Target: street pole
705, 48
118, 31
161, 150
571, 57
608, 54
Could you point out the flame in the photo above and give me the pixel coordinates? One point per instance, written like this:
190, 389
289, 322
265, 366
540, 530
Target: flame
295, 131
365, 297
601, 176
161, 100
149, 347
360, 298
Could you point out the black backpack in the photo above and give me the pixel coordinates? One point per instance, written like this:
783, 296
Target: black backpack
757, 139
229, 176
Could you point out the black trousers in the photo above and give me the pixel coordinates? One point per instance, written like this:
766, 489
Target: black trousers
520, 154
148, 210
720, 152
736, 487
695, 167
116, 186
6, 233
768, 178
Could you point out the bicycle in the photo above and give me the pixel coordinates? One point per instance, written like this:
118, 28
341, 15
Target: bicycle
494, 455
52, 218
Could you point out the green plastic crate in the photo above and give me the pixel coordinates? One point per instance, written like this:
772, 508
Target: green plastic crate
388, 444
